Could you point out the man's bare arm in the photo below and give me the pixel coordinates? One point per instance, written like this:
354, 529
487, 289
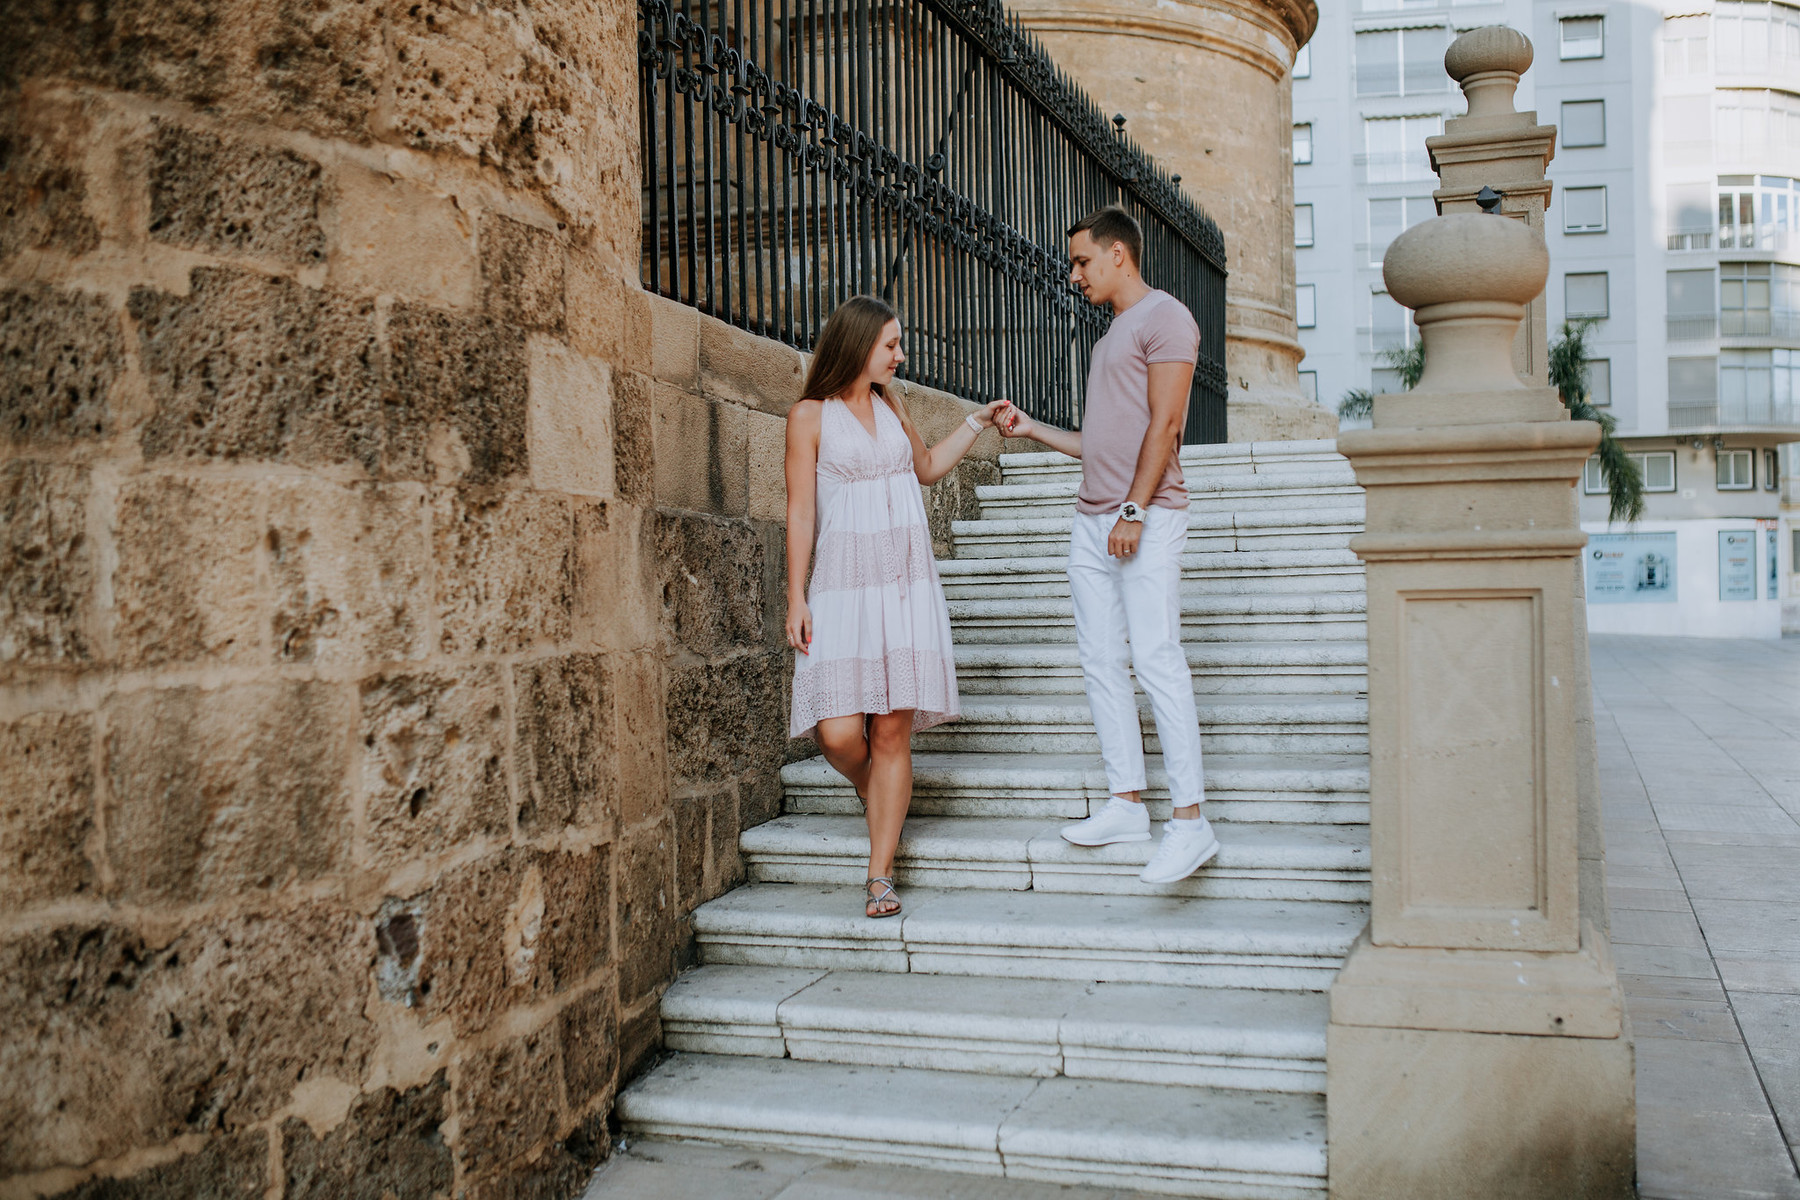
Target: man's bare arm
1169, 383
1063, 440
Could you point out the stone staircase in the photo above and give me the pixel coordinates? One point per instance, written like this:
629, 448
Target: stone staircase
1036, 1011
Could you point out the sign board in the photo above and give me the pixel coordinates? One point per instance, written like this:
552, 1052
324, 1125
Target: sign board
1737, 564
1630, 568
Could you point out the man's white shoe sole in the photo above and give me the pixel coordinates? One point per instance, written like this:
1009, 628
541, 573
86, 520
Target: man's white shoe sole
1108, 841
1205, 858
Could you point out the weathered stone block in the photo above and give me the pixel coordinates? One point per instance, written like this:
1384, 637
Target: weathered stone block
634, 439
160, 47
727, 718
462, 381
60, 353
759, 799
674, 330
590, 1040
505, 569
227, 1168
395, 237
607, 313
724, 863
522, 274
757, 372
564, 739
560, 1172
46, 565
213, 793
711, 577
640, 733
692, 821
43, 192
248, 367
702, 453
510, 1100
389, 1145
322, 64
647, 913
570, 421
640, 1037
433, 766
616, 571
236, 198
767, 450
576, 935
464, 970
46, 808
187, 584
115, 1040
349, 565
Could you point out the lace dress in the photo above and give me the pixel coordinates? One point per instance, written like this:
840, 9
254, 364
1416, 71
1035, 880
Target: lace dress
881, 629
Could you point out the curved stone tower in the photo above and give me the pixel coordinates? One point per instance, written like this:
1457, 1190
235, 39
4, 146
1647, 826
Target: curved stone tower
1204, 87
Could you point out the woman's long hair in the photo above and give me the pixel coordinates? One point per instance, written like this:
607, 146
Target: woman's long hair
845, 345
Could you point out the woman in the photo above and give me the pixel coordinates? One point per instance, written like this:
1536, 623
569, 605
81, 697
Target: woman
874, 632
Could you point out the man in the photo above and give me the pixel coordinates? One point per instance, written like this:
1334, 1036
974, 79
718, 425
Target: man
1131, 520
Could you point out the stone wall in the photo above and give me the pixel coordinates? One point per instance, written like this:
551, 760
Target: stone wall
390, 598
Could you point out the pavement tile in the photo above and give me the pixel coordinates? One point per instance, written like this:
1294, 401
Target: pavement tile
1736, 926
1647, 927
1663, 960
1712, 1156
1756, 871
1689, 1020
1697, 1076
1670, 987
1654, 899
1681, 816
1760, 972
1771, 1029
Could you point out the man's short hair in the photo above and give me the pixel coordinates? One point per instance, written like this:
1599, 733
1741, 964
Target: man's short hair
1113, 224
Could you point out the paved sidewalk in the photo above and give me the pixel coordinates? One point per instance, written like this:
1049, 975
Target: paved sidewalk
1700, 772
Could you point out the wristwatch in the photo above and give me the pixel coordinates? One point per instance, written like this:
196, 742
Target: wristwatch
1130, 512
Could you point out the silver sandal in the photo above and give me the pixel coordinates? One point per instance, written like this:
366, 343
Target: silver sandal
887, 893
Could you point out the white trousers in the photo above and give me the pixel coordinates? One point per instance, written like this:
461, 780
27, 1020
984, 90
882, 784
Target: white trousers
1136, 600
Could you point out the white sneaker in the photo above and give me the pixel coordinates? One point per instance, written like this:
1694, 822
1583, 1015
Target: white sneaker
1119, 821
1186, 846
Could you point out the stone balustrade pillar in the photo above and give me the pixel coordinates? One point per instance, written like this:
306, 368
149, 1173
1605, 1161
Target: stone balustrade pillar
1478, 1045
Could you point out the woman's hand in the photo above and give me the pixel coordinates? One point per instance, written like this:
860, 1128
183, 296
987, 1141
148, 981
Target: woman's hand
996, 415
1015, 424
799, 626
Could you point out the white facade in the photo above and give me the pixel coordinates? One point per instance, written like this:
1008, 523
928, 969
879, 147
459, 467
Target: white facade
1675, 222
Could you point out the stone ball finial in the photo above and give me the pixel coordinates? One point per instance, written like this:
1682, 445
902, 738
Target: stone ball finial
1487, 62
1468, 278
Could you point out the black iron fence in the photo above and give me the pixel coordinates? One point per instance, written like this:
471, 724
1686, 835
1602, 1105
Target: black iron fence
799, 152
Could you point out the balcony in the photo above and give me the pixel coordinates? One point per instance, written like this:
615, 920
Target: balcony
1726, 415
1694, 328
1780, 326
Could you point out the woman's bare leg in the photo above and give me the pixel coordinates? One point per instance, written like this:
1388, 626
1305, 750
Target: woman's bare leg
890, 789
845, 744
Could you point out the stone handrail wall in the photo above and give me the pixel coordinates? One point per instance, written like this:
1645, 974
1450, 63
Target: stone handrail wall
390, 646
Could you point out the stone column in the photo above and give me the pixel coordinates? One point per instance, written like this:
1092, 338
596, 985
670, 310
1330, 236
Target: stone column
1498, 147
1204, 86
1478, 1044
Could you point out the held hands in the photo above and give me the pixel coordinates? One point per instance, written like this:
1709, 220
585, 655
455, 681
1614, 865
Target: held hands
799, 626
995, 415
1014, 424
1123, 541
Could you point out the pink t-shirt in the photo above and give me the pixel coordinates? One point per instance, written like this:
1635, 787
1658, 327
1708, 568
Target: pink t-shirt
1156, 329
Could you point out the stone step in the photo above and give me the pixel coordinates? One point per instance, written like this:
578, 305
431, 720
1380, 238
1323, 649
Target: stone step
1210, 1142
1288, 667
1282, 529
1206, 494
1319, 788
1320, 723
1290, 945
1223, 458
1129, 1032
1256, 860
1297, 616
1210, 572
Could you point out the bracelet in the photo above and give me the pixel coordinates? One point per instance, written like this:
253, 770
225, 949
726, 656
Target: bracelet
972, 423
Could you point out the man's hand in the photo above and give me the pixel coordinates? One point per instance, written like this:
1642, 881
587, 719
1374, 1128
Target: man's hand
1013, 423
1122, 542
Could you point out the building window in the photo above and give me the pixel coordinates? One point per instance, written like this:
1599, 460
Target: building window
1692, 305
1687, 131
1599, 381
1401, 62
1309, 385
1737, 470
1756, 38
1583, 37
1584, 210
1744, 295
1771, 470
1583, 123
1657, 467
1756, 126
1303, 224
1303, 62
1306, 313
1759, 387
1585, 295
1389, 326
1684, 46
1394, 148
1690, 217
1693, 392
1302, 144
1388, 218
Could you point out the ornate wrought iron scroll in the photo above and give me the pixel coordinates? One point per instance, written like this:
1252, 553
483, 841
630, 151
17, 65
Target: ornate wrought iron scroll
799, 152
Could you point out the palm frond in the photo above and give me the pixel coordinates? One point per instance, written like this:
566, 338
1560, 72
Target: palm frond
1566, 366
1358, 404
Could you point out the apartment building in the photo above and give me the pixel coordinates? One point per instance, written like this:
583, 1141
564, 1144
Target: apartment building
1675, 226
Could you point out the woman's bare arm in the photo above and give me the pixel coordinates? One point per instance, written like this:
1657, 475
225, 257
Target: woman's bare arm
1064, 440
933, 464
802, 466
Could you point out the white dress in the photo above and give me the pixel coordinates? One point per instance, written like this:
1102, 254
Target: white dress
881, 629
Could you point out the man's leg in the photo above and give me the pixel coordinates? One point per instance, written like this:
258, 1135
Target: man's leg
1151, 587
1100, 640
